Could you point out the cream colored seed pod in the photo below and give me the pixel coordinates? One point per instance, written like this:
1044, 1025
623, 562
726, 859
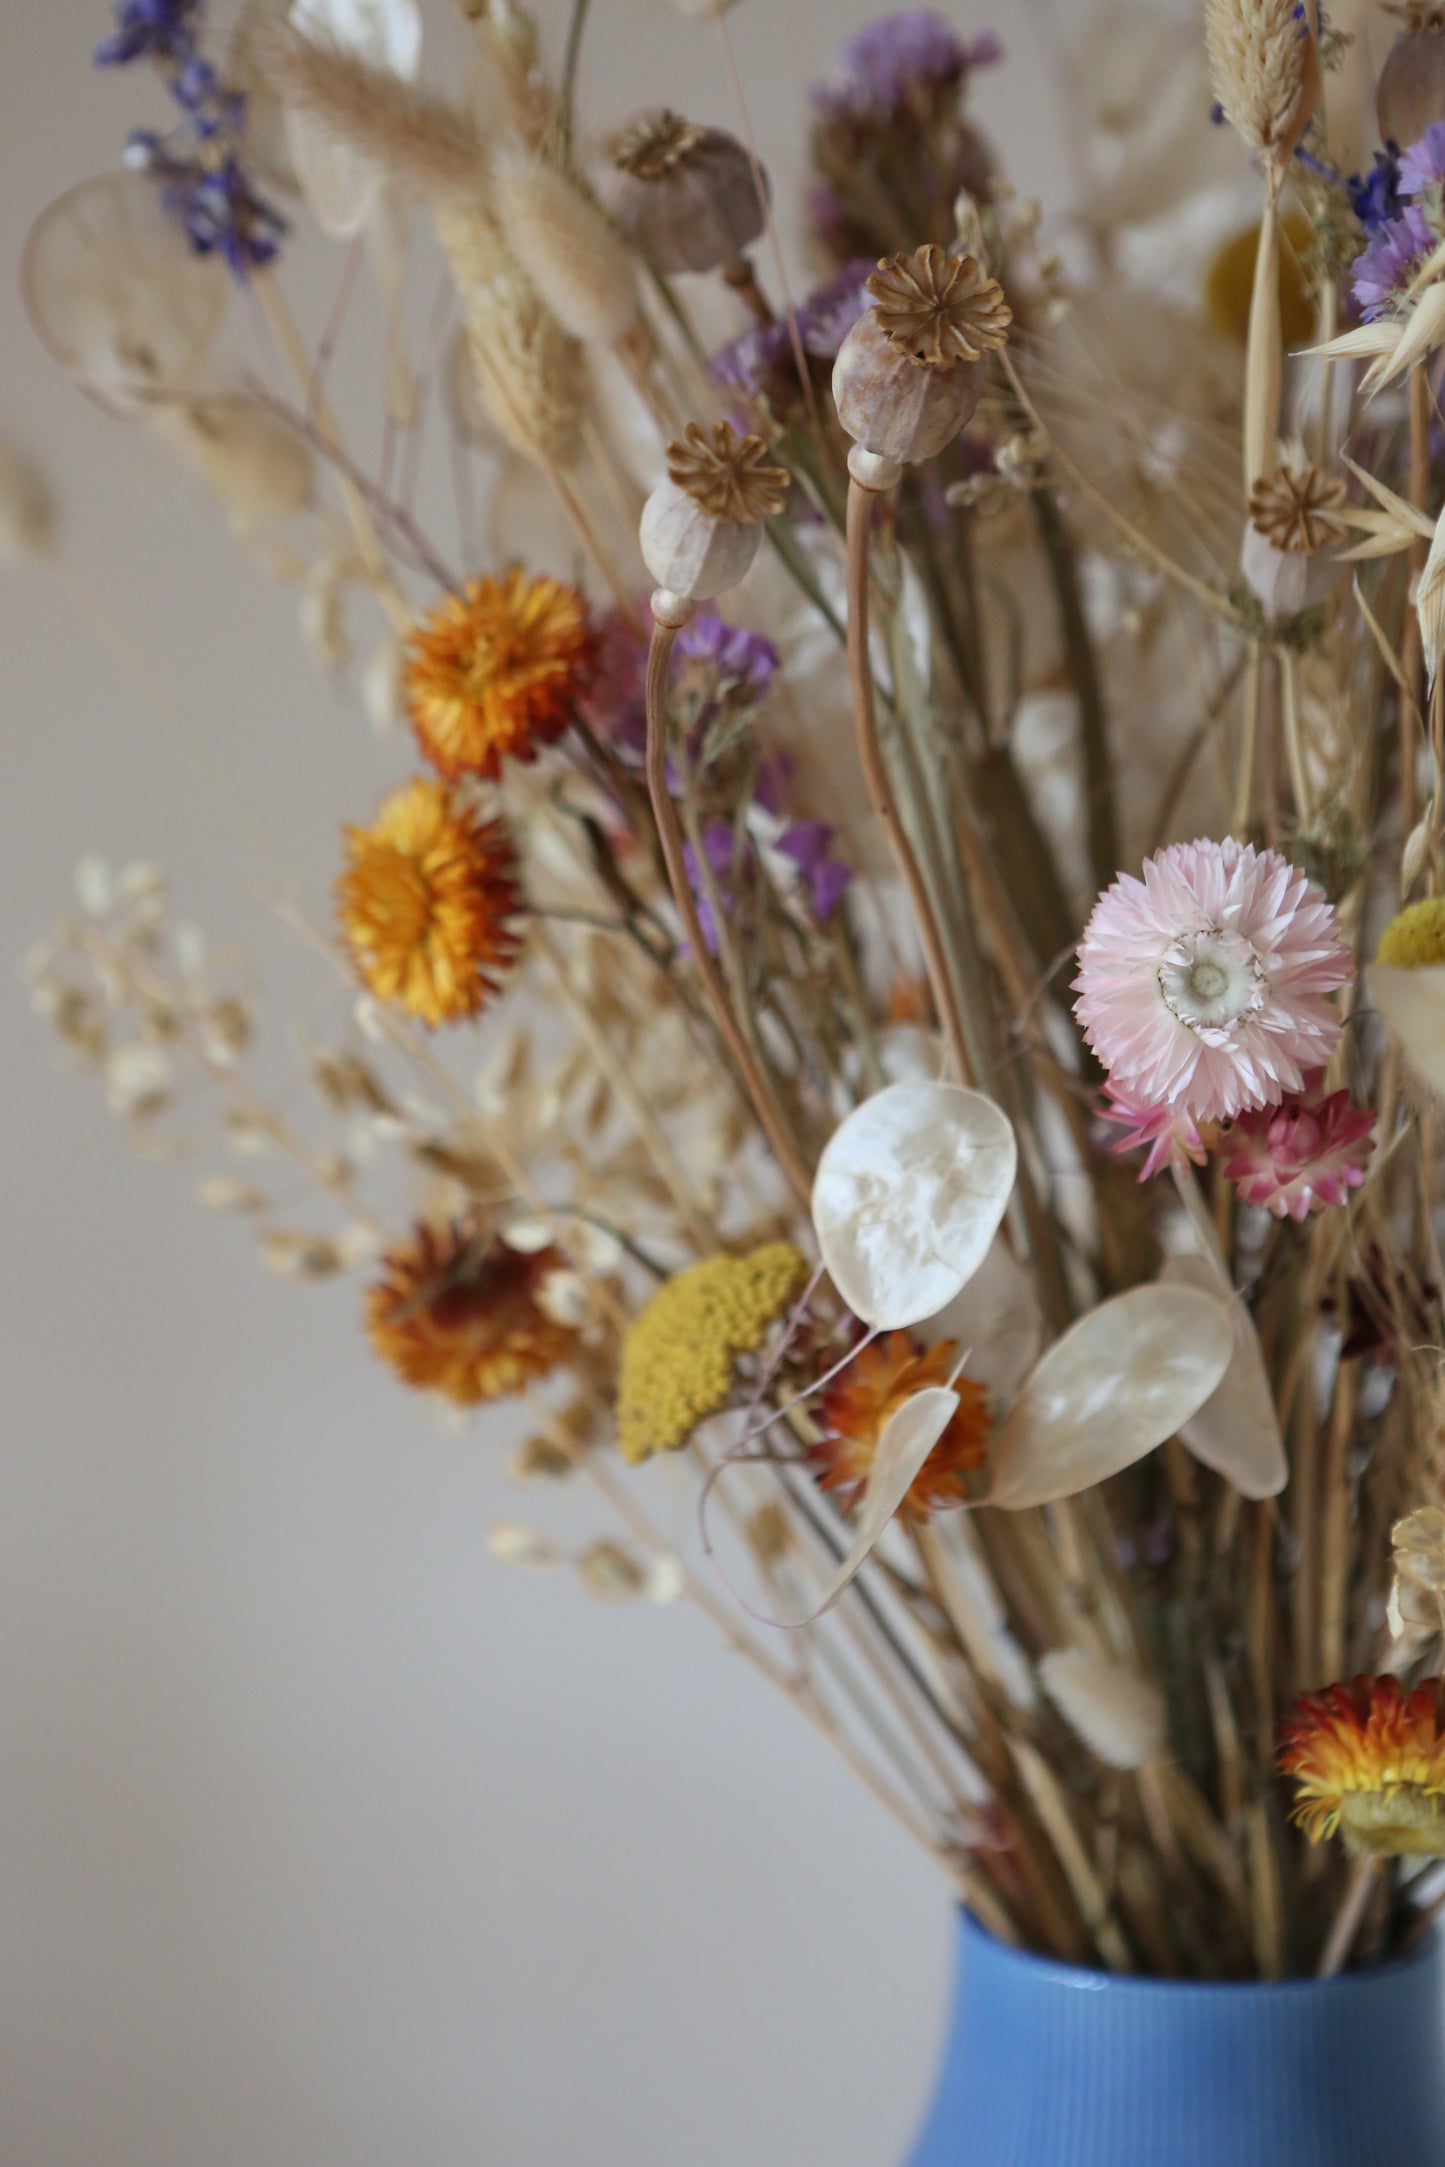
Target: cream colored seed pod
1410, 93
684, 195
1290, 530
909, 373
702, 526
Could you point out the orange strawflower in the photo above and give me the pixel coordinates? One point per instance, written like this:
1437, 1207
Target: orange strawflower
427, 900
458, 1314
494, 673
1369, 1760
853, 1409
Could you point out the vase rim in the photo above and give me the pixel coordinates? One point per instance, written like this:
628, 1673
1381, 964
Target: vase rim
1089, 1978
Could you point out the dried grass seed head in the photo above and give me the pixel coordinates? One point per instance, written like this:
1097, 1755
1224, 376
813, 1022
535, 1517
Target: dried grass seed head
1263, 68
566, 246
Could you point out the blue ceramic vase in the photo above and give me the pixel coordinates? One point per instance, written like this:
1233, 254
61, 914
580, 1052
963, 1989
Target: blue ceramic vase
1045, 2066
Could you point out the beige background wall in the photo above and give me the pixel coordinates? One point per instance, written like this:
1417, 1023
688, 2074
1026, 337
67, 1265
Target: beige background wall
323, 1841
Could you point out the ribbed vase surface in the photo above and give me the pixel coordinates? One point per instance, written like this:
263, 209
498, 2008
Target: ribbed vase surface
1045, 2066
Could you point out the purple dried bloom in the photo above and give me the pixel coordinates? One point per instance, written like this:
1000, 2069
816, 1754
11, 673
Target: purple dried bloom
829, 882
807, 843
1375, 196
750, 364
149, 29
1381, 273
829, 313
1422, 166
225, 217
745, 662
892, 62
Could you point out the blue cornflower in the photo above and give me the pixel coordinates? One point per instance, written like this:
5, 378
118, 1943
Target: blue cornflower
1375, 196
149, 29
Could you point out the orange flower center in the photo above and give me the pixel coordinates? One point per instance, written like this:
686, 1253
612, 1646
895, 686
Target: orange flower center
398, 895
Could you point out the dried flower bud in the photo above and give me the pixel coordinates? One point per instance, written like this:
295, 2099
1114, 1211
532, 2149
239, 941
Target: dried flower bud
223, 1193
524, 1547
27, 508
570, 252
1410, 94
298, 1256
137, 1082
611, 1574
909, 373
685, 196
701, 527
1291, 526
540, 1459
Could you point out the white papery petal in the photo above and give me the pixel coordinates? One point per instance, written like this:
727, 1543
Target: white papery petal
340, 185
1121, 1380
1412, 1002
998, 1319
907, 1438
1118, 1714
1236, 1431
908, 1195
117, 293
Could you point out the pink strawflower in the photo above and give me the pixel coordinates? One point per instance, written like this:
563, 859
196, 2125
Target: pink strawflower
1308, 1152
1172, 1135
1202, 986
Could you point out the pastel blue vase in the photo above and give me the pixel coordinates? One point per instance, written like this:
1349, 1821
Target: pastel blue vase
1045, 2066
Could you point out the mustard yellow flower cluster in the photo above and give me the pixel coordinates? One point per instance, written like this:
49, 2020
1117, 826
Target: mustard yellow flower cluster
677, 1358
1416, 937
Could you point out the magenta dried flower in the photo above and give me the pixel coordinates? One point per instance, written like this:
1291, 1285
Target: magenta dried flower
1303, 1154
1170, 1135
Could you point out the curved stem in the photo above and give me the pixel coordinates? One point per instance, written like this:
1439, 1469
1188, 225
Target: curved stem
755, 1080
880, 788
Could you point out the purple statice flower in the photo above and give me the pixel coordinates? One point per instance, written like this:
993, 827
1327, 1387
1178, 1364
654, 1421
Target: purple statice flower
753, 363
809, 843
1422, 166
149, 29
224, 216
891, 63
1375, 196
1380, 274
743, 663
832, 309
728, 858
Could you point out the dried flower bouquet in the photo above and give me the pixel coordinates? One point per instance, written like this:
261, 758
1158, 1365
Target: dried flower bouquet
903, 972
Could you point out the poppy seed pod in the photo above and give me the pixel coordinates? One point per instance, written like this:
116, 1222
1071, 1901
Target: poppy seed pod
685, 196
1291, 528
910, 372
1410, 93
701, 527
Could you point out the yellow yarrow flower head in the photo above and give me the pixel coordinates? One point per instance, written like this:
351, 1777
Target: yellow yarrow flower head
678, 1356
1416, 937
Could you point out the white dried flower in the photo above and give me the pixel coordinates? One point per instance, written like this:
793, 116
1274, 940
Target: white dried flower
1119, 1715
95, 885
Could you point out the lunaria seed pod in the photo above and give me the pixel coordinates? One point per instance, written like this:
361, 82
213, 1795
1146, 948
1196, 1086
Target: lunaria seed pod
1410, 94
909, 373
702, 526
684, 195
1291, 530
